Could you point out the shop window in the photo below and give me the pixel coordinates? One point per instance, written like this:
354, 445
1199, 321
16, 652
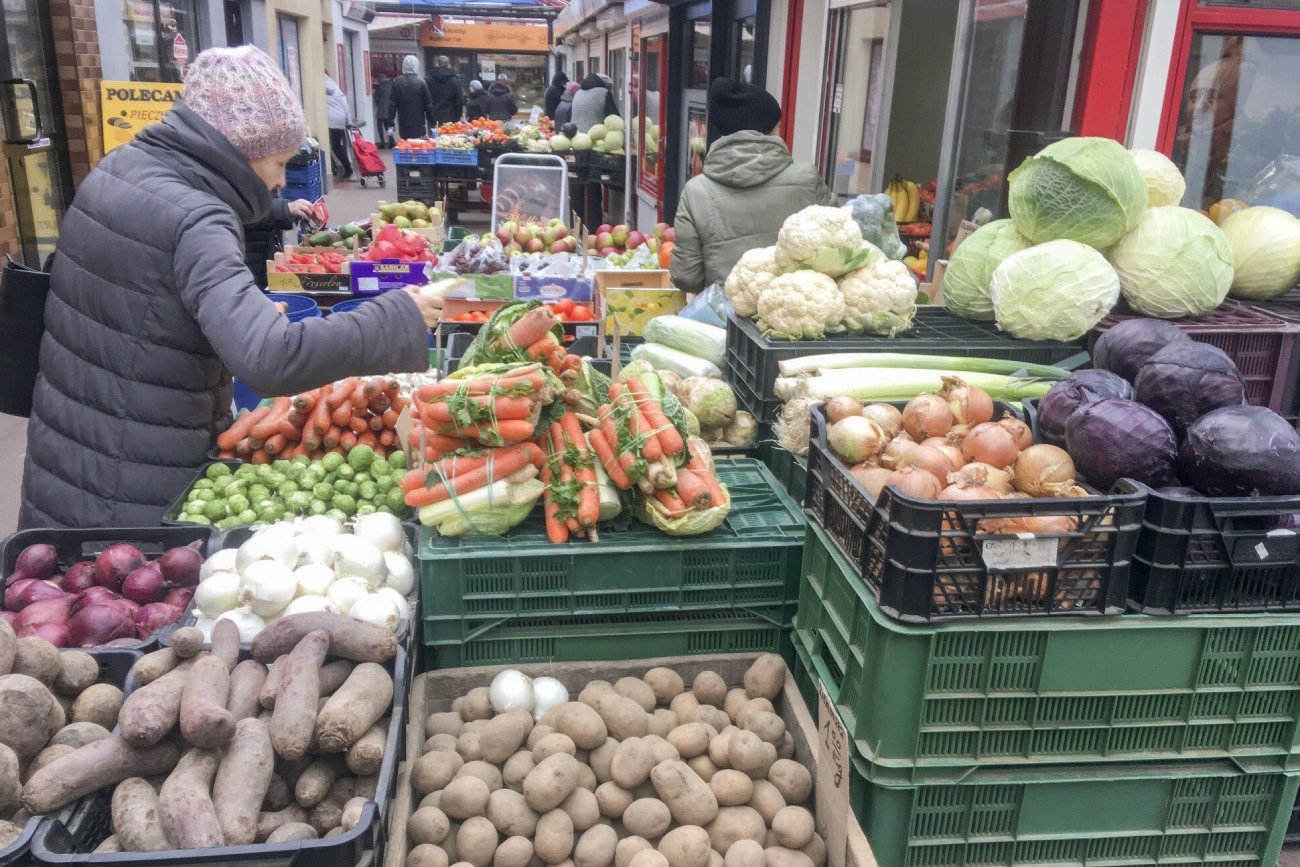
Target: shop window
618, 74
651, 76
853, 99
698, 45
290, 58
525, 73
162, 38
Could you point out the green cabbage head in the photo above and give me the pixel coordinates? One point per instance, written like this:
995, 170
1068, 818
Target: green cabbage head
1054, 291
966, 282
1265, 244
1083, 189
1174, 263
1165, 184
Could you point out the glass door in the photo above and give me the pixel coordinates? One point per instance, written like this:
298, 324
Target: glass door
34, 144
851, 102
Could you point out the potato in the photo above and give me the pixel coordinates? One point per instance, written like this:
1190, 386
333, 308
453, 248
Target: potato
778, 856
11, 789
595, 848
767, 800
792, 780
485, 771
745, 853
514, 852
366, 786
539, 731
470, 746
613, 800
686, 707
816, 850
691, 740
765, 677
37, 658
516, 768
747, 753
510, 814
478, 705
648, 858
665, 683
767, 725
440, 743
293, 832
715, 860
77, 671
718, 747
709, 688
663, 751
584, 726
661, 722
433, 771
476, 841
583, 809
793, 827
704, 768
713, 717
638, 690
623, 717
188, 641
465, 797
553, 780
26, 711
689, 798
633, 759
554, 743
754, 705
735, 823
687, 846
553, 841
433, 799
628, 847
504, 734
428, 825
352, 812
8, 644
594, 690
78, 734
58, 714
443, 724
732, 788
427, 855
648, 818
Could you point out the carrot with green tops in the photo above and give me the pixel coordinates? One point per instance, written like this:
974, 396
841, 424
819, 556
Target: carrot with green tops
584, 471
241, 428
653, 412
556, 530
441, 412
672, 503
701, 463
650, 447
528, 329
529, 374
693, 490
500, 463
617, 474
542, 347
505, 431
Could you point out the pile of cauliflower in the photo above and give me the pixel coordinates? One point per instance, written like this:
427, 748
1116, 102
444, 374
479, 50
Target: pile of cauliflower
822, 278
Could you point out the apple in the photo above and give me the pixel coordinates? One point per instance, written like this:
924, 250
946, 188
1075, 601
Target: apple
559, 247
555, 223
604, 227
535, 246
570, 243
608, 251
548, 236
634, 240
670, 234
604, 239
619, 234
591, 242
510, 226
513, 247
652, 244
562, 232
659, 231
504, 237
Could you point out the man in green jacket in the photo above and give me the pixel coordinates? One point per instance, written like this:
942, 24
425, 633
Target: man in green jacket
749, 186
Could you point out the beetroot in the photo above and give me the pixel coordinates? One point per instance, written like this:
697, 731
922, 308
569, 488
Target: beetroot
78, 577
10, 617
143, 585
115, 563
99, 624
37, 561
154, 616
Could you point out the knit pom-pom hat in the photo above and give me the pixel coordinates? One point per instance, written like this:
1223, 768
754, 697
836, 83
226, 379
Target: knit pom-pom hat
243, 94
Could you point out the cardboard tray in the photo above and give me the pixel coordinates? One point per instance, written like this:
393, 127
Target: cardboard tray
433, 692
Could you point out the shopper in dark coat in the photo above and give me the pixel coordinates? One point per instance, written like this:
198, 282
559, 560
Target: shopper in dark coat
564, 111
474, 102
499, 102
551, 99
411, 104
444, 90
593, 102
265, 238
151, 308
383, 99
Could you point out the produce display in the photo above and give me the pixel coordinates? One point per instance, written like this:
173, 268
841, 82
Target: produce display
408, 215
52, 703
394, 243
117, 597
648, 772
298, 262
283, 746
607, 137
365, 570
350, 237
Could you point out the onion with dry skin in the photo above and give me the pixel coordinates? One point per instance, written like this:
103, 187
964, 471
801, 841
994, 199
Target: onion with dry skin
953, 453
931, 460
854, 439
1043, 471
984, 476
1023, 435
969, 405
890, 418
927, 415
915, 482
894, 451
962, 491
842, 407
871, 478
991, 443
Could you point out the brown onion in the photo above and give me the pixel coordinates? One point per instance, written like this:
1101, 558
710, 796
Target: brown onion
890, 418
854, 439
950, 451
1049, 523
841, 407
915, 483
931, 460
1024, 436
991, 443
961, 491
896, 448
1044, 471
871, 478
970, 405
984, 476
927, 415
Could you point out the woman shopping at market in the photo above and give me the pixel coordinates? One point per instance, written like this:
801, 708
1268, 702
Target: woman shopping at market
151, 308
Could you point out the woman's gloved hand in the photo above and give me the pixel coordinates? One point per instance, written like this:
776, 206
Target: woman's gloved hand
429, 297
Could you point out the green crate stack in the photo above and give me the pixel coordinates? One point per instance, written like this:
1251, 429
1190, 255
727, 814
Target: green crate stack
790, 469
635, 593
1116, 740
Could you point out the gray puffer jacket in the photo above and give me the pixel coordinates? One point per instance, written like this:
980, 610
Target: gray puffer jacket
151, 309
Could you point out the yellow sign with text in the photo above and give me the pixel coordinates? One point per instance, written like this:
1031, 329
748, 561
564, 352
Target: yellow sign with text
485, 37
126, 107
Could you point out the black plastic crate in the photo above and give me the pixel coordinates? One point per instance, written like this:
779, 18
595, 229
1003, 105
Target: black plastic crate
418, 182
71, 840
487, 154
752, 359
928, 560
73, 546
171, 517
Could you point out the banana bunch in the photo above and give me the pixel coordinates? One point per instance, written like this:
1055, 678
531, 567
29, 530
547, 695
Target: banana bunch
906, 198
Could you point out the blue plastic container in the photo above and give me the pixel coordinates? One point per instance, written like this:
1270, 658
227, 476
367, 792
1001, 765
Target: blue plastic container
298, 308
354, 303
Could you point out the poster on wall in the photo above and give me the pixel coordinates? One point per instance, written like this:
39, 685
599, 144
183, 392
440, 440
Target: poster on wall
126, 107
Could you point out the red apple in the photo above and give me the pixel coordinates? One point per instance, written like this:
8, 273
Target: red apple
608, 251
548, 236
670, 234
570, 243
659, 230
591, 242
536, 245
634, 240
604, 239
562, 232
560, 247
514, 247
503, 236
604, 227
619, 234
522, 237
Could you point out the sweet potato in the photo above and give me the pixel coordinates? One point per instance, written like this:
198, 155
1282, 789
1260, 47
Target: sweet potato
314, 783
294, 717
348, 638
187, 641
107, 846
99, 703
328, 813
8, 644
78, 734
137, 819
27, 711
271, 686
363, 699
277, 790
242, 780
245, 689
77, 671
292, 832
205, 722
150, 712
352, 812
334, 674
11, 789
188, 815
225, 643
43, 758
367, 754
269, 823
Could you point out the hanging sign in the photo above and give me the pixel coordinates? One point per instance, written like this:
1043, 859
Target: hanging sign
180, 51
126, 107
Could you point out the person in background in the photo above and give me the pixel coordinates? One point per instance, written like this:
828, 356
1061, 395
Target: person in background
474, 102
265, 238
444, 90
593, 102
564, 111
551, 99
499, 101
410, 103
383, 119
749, 186
151, 308
336, 111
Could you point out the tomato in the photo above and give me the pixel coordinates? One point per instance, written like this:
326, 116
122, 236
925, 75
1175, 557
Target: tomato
564, 305
581, 314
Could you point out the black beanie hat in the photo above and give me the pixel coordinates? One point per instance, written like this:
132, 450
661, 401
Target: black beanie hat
735, 106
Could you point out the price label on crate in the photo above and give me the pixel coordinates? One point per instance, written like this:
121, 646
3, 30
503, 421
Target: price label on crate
1025, 551
832, 778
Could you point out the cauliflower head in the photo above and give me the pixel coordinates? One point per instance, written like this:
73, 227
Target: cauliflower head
823, 239
880, 298
752, 274
799, 306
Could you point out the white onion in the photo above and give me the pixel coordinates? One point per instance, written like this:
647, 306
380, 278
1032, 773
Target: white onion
511, 690
381, 529
345, 592
377, 609
547, 693
313, 579
249, 623
401, 574
317, 525
358, 558
305, 604
217, 593
271, 543
204, 624
403, 606
266, 587
315, 550
221, 561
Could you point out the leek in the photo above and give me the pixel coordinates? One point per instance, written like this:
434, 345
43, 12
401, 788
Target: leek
956, 366
892, 384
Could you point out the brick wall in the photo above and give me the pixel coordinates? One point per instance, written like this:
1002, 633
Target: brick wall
76, 51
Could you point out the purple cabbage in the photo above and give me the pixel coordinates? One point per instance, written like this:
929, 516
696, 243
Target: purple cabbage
1186, 380
1123, 349
1080, 387
1114, 439
1241, 451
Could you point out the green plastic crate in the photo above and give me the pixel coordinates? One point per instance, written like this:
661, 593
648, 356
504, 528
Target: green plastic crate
578, 639
751, 562
1168, 813
1127, 688
790, 469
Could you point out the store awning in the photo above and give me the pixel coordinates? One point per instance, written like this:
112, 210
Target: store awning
548, 9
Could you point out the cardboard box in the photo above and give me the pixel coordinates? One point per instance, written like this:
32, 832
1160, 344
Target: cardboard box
435, 234
278, 281
632, 298
487, 287
537, 287
453, 307
371, 278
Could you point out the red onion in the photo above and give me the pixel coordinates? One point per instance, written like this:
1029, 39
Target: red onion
114, 564
180, 566
37, 561
45, 611
93, 595
143, 585
179, 597
99, 624
153, 617
78, 577
54, 633
25, 591
126, 606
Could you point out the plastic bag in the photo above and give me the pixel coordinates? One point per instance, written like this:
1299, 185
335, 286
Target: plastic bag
1277, 185
710, 307
875, 218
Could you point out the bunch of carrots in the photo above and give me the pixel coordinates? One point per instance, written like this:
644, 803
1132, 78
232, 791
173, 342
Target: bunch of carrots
494, 409
461, 474
335, 417
572, 495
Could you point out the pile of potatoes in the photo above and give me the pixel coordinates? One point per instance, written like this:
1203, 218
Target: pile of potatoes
212, 751
644, 772
50, 704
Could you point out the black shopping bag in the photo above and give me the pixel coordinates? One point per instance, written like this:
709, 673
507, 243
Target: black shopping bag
22, 322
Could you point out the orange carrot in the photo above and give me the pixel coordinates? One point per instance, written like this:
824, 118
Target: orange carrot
668, 436
241, 428
226, 453
259, 457
505, 431
528, 376
300, 449
389, 418
270, 423
585, 472
319, 420
331, 438
528, 329
692, 489
671, 502
605, 453
440, 414
373, 386
556, 530
274, 444
367, 439
358, 424
500, 463
387, 437
341, 414
347, 441
701, 464
642, 432
413, 479
542, 347
376, 423
304, 402
244, 448
379, 403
